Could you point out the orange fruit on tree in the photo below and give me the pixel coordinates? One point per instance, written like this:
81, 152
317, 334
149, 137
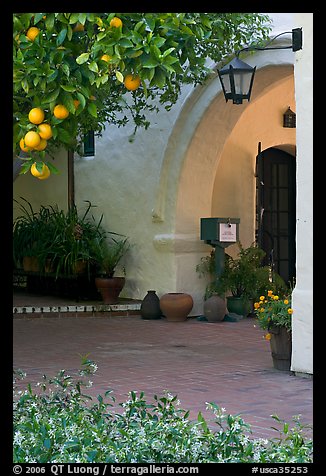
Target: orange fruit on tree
116, 22
106, 58
32, 33
76, 103
36, 115
42, 145
23, 146
36, 172
32, 139
78, 27
46, 173
45, 131
60, 111
131, 82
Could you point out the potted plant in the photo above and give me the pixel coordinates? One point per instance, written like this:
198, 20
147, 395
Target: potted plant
109, 253
274, 315
31, 238
241, 279
74, 241
62, 243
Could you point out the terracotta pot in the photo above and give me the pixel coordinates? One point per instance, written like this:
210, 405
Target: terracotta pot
150, 306
176, 306
79, 267
215, 309
110, 288
30, 263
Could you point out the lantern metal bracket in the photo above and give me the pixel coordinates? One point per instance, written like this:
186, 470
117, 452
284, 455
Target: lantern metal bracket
296, 43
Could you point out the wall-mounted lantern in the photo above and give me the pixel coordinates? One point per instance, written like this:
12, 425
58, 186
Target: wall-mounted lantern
289, 118
237, 77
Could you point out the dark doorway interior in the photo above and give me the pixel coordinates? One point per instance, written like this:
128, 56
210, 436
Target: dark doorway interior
276, 213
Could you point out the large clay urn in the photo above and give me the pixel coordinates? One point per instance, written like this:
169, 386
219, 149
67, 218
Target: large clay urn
176, 306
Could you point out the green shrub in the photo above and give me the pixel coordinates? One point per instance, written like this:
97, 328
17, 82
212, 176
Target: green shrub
58, 423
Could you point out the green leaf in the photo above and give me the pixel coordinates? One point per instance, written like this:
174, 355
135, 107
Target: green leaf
37, 17
82, 58
25, 167
68, 88
64, 136
49, 22
119, 76
25, 86
81, 99
167, 52
52, 96
93, 66
158, 78
61, 37
149, 61
74, 17
82, 18
65, 68
125, 43
52, 168
92, 109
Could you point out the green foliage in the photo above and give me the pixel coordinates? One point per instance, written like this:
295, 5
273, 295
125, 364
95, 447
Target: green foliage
108, 255
58, 422
59, 239
165, 50
242, 276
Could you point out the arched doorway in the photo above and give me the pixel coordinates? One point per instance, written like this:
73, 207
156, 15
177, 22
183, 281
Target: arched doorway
276, 210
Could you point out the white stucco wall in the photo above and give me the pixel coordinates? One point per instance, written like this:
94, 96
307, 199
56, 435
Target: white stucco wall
44, 192
302, 353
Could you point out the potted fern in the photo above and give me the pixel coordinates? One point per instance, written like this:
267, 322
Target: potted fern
109, 253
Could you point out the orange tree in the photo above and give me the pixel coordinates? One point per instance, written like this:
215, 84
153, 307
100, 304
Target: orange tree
78, 71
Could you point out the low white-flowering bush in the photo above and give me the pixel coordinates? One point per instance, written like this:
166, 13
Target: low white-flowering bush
56, 422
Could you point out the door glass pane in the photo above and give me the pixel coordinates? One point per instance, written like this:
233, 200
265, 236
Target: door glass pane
283, 175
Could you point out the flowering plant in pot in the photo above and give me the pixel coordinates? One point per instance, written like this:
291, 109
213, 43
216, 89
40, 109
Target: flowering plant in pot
274, 315
109, 253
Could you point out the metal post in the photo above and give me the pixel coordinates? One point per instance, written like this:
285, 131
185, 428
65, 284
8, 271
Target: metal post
219, 260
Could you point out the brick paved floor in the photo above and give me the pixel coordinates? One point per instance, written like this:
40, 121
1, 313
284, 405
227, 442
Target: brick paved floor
228, 363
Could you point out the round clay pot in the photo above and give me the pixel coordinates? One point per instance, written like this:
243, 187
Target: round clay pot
215, 309
150, 306
176, 306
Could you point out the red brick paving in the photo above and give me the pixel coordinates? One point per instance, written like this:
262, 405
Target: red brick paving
228, 363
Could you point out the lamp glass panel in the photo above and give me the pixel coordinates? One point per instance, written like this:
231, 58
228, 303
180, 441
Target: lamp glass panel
242, 82
226, 82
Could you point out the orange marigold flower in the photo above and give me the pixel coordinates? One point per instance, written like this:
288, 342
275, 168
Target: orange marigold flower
290, 311
268, 336
270, 293
262, 298
275, 298
286, 301
256, 305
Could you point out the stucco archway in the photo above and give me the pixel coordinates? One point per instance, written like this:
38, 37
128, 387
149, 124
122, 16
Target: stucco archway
205, 150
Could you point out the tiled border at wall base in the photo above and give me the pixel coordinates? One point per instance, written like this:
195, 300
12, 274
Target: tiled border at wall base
97, 310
